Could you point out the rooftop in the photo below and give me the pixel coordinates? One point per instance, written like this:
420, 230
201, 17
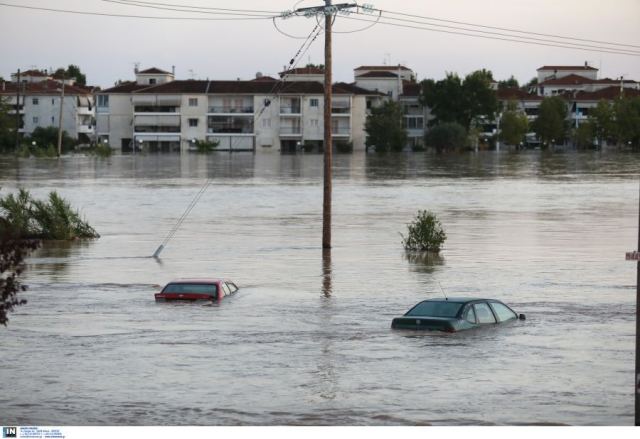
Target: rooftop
585, 67
153, 71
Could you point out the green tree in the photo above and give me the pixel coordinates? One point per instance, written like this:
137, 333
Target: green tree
512, 82
384, 128
514, 125
7, 127
455, 100
425, 233
13, 251
447, 135
602, 119
551, 124
47, 137
584, 135
627, 113
72, 71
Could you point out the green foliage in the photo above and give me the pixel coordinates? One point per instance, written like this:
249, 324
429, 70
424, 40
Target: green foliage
206, 146
456, 100
447, 135
101, 150
46, 141
13, 251
627, 113
512, 82
384, 128
584, 135
344, 147
7, 126
602, 119
425, 233
72, 71
35, 219
514, 125
551, 124
532, 82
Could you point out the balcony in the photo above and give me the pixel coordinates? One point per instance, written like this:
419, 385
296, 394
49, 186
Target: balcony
341, 131
290, 131
293, 110
85, 111
231, 110
230, 125
85, 129
142, 129
341, 110
158, 109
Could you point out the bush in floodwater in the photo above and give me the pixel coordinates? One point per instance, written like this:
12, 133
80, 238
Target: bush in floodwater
53, 219
101, 150
205, 146
425, 233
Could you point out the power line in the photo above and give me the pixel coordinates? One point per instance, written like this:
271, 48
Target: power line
162, 7
104, 14
613, 51
515, 36
507, 29
198, 7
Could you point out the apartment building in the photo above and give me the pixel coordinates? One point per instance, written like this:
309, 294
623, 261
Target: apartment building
156, 112
40, 97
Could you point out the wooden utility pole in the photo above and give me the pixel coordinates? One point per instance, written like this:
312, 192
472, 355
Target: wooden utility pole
60, 119
637, 374
328, 138
18, 118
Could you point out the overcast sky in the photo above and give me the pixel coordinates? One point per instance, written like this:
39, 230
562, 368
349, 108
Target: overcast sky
107, 48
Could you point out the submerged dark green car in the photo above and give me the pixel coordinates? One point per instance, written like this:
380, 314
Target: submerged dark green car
455, 314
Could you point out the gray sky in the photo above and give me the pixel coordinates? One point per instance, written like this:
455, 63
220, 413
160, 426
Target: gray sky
106, 48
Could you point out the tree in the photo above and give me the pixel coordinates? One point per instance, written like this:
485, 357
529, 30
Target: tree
446, 135
7, 127
551, 124
73, 71
602, 120
13, 251
384, 128
425, 233
512, 82
627, 113
584, 135
48, 137
455, 100
514, 125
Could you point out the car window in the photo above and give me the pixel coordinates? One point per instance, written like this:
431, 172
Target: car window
225, 288
470, 315
503, 312
483, 313
191, 288
232, 287
435, 308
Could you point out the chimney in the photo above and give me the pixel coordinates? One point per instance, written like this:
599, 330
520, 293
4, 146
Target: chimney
586, 64
173, 70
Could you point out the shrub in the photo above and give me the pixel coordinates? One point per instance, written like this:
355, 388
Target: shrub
35, 219
446, 135
344, 147
425, 233
101, 150
205, 147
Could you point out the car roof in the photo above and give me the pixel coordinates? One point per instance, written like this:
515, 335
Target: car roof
196, 281
458, 299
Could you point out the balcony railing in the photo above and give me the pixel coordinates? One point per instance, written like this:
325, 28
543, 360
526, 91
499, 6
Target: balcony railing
248, 109
341, 110
290, 130
230, 130
156, 109
340, 131
156, 129
295, 109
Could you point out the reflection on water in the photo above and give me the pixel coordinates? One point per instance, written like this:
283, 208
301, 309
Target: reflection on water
307, 339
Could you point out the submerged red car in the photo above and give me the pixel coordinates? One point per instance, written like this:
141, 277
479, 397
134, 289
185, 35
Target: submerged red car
197, 289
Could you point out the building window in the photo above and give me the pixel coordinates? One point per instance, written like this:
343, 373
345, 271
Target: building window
35, 120
314, 102
266, 123
53, 101
193, 102
152, 81
103, 100
53, 120
193, 122
35, 101
313, 123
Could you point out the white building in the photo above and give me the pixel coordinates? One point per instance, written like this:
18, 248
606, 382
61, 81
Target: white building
39, 105
159, 113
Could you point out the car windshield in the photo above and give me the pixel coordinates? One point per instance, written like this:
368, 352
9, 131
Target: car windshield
436, 309
191, 288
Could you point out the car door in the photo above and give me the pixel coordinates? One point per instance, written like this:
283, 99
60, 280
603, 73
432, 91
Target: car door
484, 314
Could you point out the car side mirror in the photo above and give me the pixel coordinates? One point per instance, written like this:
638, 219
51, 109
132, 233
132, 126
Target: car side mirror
522, 317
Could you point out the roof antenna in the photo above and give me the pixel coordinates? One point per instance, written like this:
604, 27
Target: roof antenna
445, 296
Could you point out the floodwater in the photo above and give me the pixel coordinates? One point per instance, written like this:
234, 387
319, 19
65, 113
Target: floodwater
307, 339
